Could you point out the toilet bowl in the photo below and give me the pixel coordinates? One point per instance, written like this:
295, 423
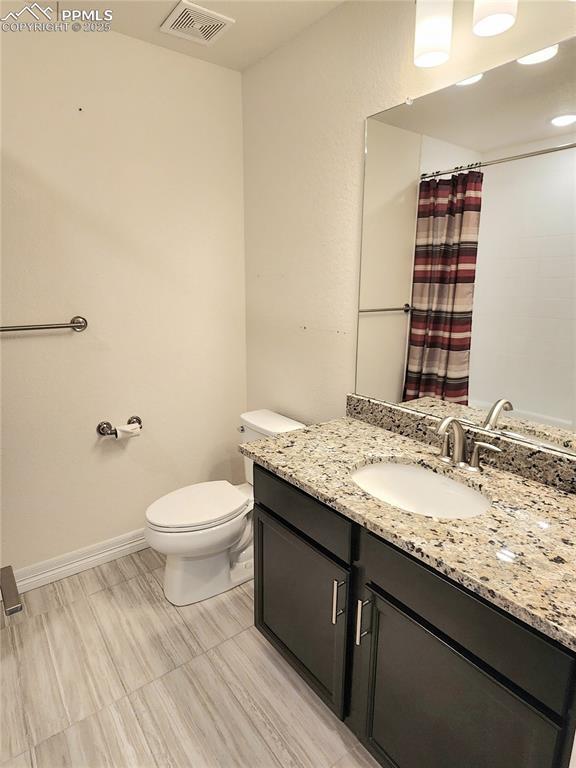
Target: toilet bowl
205, 529
196, 527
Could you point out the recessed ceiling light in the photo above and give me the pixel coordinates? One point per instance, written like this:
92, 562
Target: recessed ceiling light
563, 120
471, 80
492, 17
539, 56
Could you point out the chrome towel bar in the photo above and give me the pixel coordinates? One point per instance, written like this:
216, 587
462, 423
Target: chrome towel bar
77, 324
405, 308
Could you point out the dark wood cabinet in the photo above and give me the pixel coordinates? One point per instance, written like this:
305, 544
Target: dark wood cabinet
426, 704
301, 598
426, 673
530, 662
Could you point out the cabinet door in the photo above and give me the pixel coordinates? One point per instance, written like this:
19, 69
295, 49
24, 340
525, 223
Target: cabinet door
300, 604
425, 704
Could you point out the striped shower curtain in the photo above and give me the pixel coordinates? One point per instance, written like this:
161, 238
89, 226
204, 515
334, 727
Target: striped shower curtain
443, 288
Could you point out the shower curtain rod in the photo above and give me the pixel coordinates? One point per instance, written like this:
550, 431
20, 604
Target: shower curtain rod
481, 164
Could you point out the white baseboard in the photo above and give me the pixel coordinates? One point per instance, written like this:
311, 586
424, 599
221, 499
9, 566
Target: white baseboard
39, 574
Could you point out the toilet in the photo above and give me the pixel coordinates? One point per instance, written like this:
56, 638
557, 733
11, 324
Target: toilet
205, 529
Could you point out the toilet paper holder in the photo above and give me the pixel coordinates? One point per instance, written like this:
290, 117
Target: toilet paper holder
105, 428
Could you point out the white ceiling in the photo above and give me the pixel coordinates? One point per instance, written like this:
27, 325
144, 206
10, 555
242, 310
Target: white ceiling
261, 25
512, 104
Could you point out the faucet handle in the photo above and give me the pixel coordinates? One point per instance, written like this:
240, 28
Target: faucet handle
475, 460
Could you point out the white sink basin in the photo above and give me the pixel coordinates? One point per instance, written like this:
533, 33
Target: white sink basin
419, 490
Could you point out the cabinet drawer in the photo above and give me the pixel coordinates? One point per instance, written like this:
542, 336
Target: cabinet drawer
316, 521
538, 667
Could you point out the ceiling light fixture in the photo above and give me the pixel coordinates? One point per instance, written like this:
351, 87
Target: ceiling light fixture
563, 120
539, 56
433, 36
492, 17
471, 80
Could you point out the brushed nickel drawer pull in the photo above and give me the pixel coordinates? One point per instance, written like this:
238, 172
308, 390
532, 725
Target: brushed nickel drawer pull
335, 612
359, 633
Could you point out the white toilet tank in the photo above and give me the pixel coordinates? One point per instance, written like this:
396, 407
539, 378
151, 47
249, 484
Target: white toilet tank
259, 424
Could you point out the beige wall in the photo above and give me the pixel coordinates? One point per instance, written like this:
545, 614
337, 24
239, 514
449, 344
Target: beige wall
304, 111
389, 214
388, 230
130, 213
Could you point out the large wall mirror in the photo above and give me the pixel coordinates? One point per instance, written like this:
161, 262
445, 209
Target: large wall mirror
468, 272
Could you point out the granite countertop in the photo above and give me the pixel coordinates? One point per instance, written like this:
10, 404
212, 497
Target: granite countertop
520, 555
552, 436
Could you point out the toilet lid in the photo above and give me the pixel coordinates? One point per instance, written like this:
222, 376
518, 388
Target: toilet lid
197, 506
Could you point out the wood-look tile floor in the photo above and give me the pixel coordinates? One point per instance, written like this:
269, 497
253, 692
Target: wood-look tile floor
100, 671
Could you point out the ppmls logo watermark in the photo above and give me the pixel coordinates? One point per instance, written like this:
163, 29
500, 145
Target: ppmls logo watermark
38, 18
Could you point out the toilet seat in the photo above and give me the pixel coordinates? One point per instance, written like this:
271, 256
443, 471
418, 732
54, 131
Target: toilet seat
197, 507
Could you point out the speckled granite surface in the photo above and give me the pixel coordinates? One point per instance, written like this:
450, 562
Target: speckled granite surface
536, 524
548, 434
554, 468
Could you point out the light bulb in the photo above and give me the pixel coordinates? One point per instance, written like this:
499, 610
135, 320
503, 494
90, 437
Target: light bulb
433, 35
492, 17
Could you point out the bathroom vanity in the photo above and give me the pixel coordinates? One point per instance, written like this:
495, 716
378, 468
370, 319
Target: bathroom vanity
441, 643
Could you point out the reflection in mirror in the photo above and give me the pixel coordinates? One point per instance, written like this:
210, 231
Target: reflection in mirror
468, 274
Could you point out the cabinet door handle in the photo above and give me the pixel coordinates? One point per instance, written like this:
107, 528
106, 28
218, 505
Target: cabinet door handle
359, 633
335, 612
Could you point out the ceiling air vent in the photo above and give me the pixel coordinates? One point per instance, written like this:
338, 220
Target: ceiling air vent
192, 22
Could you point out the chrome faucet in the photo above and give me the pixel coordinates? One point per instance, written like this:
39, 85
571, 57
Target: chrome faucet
458, 457
494, 413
